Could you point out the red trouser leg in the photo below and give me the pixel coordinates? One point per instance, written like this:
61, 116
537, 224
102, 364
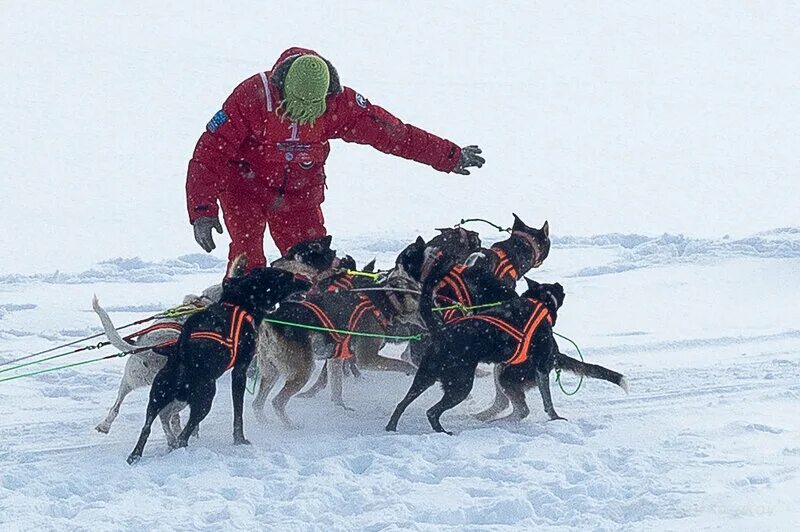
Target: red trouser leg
292, 225
245, 220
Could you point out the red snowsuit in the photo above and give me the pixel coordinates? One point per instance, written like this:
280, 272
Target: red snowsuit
266, 170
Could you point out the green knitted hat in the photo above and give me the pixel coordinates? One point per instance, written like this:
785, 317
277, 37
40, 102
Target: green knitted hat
304, 89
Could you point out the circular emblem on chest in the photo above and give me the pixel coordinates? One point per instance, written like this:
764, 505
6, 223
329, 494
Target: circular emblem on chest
289, 156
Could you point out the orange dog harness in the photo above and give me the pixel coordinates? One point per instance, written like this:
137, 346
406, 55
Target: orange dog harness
341, 347
504, 266
524, 336
159, 327
239, 317
453, 289
345, 282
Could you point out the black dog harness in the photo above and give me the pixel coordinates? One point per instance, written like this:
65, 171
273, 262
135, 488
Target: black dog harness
239, 318
341, 342
522, 336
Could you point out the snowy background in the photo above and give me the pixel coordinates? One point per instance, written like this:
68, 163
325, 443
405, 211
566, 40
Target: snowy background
659, 139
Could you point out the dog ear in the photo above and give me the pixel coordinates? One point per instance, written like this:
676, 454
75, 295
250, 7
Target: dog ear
558, 293
326, 241
518, 224
370, 267
546, 228
238, 266
532, 285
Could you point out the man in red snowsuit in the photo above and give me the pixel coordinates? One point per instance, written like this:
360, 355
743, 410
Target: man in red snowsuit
263, 154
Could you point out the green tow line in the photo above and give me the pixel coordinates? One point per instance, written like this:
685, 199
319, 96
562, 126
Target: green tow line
558, 370
48, 370
415, 337
182, 311
174, 312
463, 308
372, 275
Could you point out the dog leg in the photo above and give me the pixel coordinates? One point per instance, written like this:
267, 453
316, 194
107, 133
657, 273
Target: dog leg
238, 385
136, 454
294, 383
543, 382
166, 424
500, 400
381, 363
269, 376
162, 393
367, 353
320, 384
456, 389
352, 367
423, 380
516, 392
417, 350
199, 404
124, 389
406, 354
336, 371
175, 421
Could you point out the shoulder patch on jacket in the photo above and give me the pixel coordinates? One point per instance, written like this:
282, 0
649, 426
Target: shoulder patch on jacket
361, 101
217, 120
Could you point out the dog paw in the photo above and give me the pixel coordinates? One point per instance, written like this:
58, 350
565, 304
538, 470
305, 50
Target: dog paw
133, 458
391, 428
241, 441
102, 428
558, 418
288, 424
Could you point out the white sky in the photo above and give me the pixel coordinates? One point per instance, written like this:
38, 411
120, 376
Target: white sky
643, 117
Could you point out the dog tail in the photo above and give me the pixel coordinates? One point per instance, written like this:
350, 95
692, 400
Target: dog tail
111, 332
591, 370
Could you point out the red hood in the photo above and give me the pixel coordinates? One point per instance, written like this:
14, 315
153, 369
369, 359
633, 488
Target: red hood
294, 50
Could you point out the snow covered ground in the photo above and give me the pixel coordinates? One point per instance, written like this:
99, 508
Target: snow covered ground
709, 437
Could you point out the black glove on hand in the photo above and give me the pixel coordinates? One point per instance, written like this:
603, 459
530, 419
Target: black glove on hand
202, 231
469, 157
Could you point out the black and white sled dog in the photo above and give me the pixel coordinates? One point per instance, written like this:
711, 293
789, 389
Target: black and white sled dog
143, 365
212, 341
518, 333
311, 259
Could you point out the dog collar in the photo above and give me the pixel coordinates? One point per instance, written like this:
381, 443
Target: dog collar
534, 247
428, 264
